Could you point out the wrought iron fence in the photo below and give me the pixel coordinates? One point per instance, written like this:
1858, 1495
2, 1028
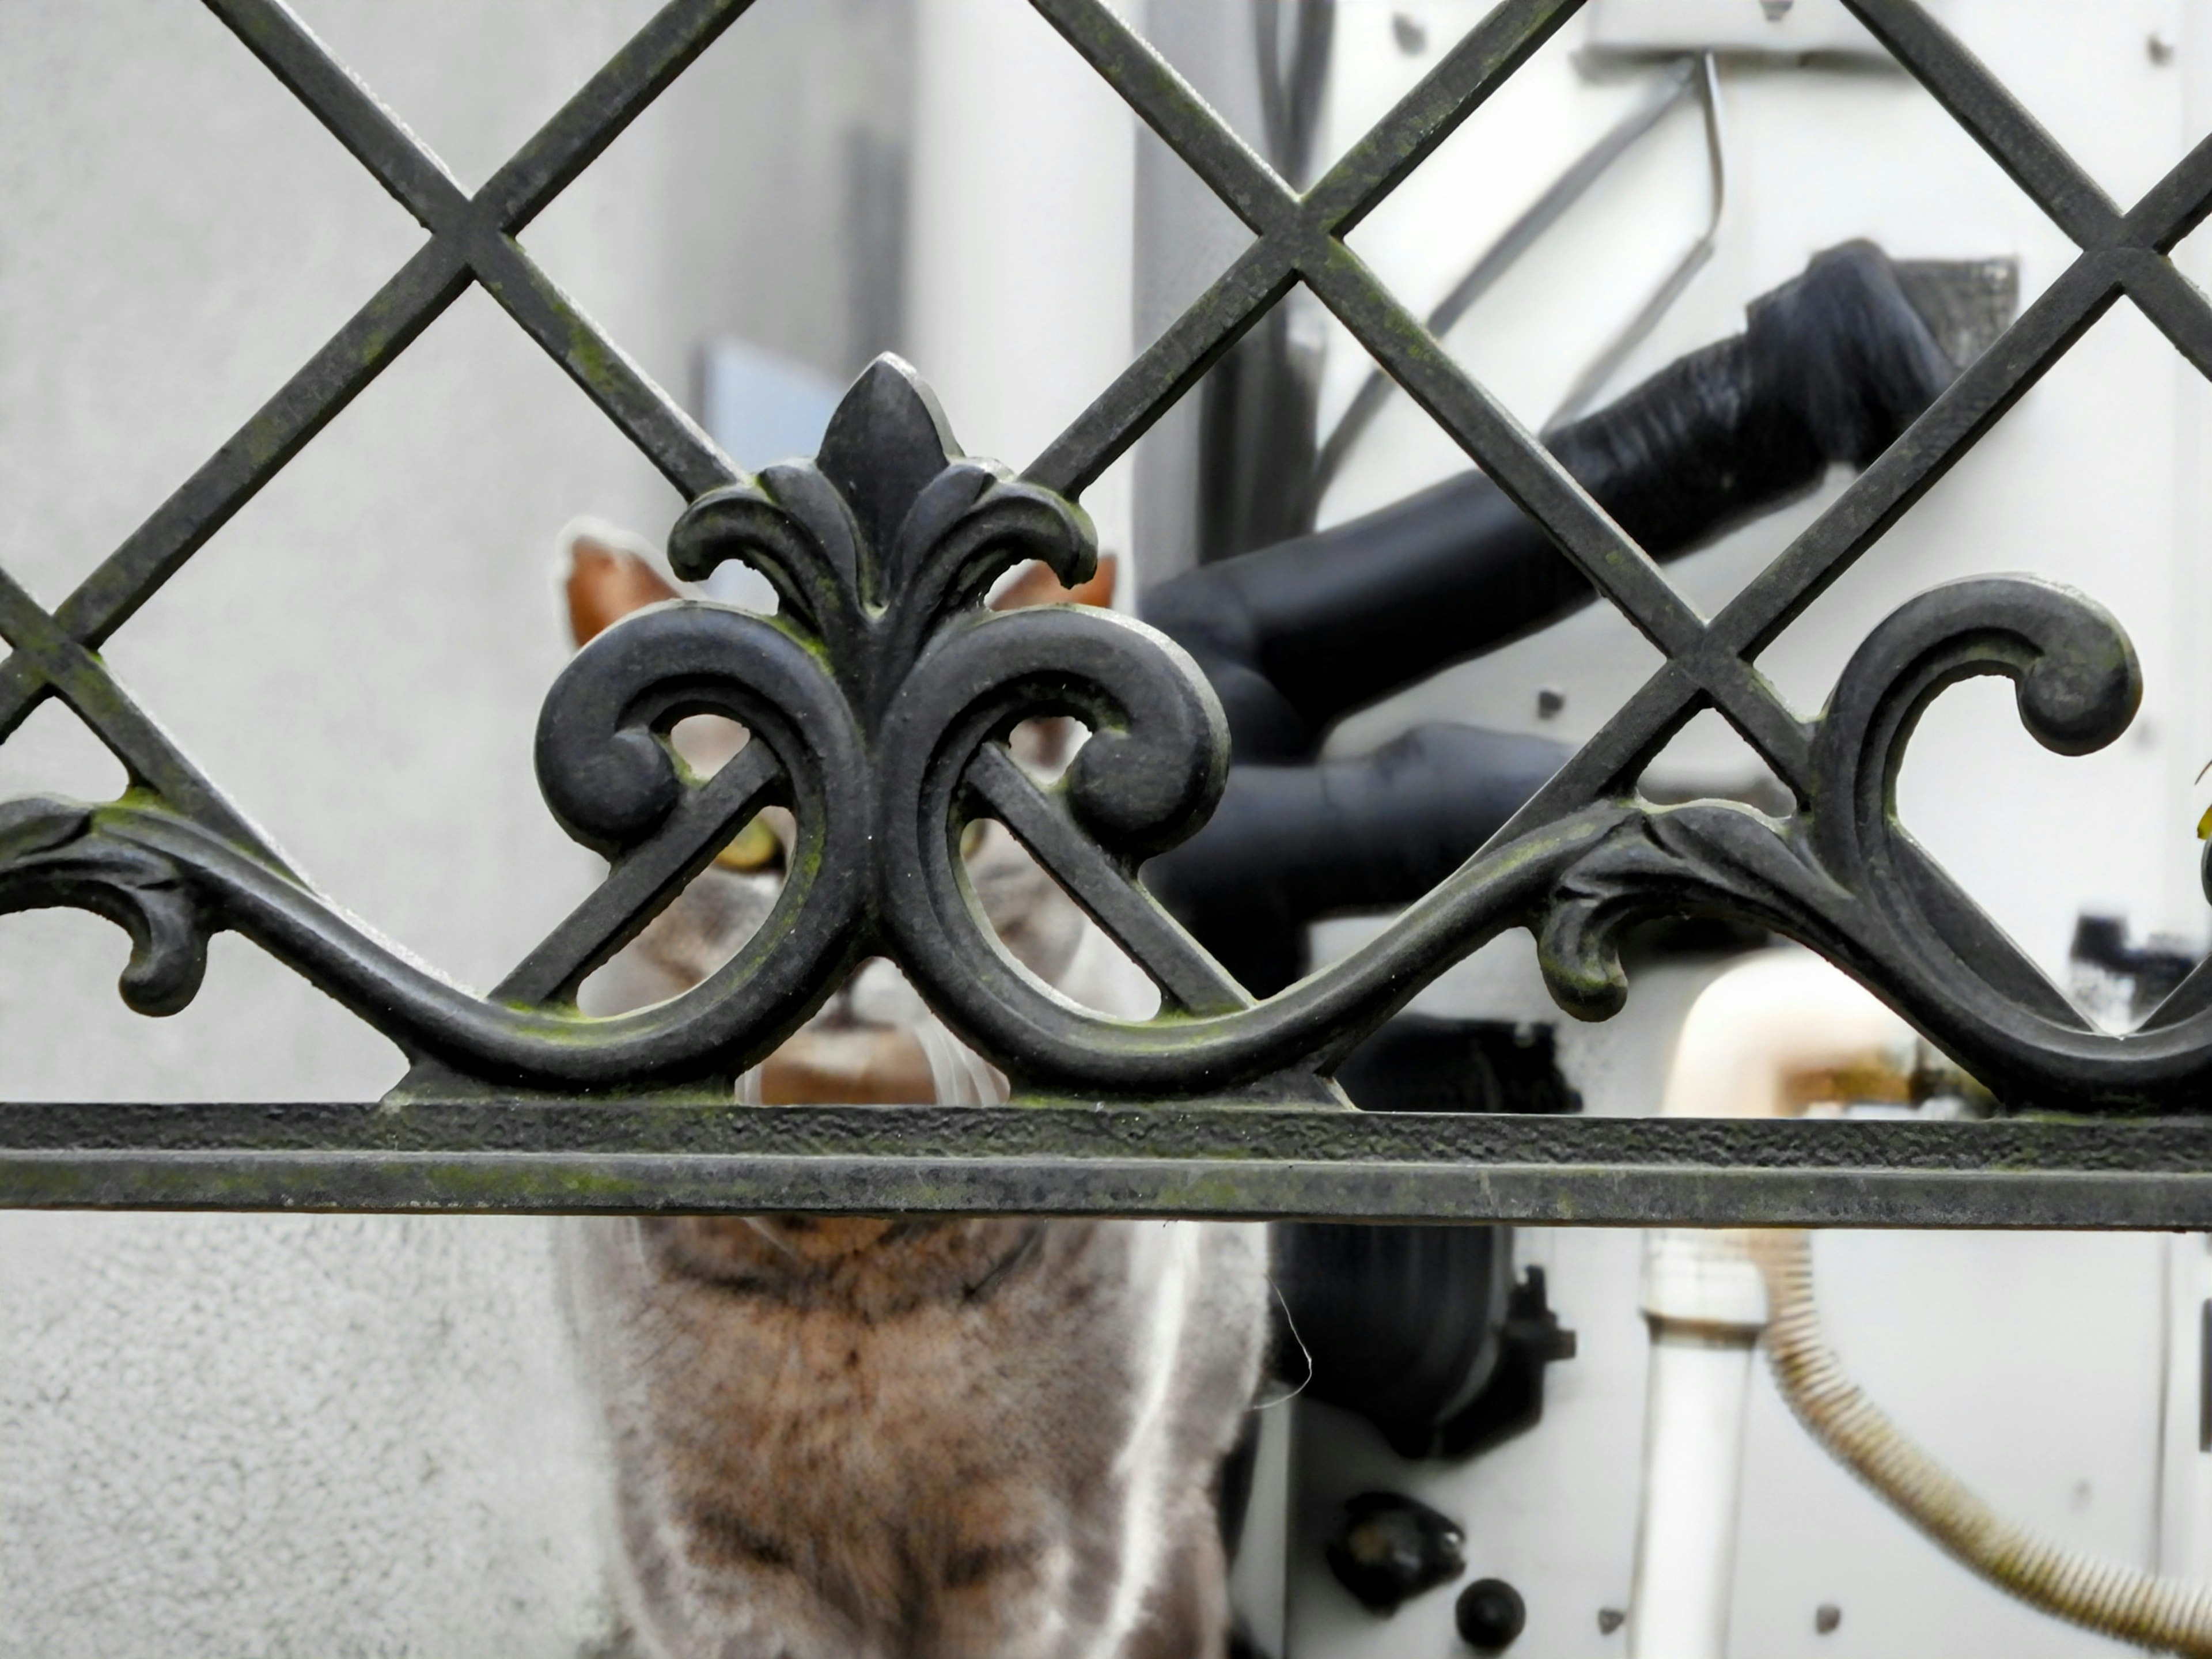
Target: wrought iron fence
880, 696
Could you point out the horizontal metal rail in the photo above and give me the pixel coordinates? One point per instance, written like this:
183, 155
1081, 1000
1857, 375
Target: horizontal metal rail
585, 1157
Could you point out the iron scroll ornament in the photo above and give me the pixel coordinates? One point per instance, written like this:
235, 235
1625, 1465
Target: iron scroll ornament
880, 697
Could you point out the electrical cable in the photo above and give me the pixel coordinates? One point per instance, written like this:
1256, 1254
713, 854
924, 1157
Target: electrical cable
1688, 76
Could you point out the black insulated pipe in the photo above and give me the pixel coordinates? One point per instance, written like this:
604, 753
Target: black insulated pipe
1834, 364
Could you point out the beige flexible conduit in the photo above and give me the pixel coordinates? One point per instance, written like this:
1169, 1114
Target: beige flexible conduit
2161, 1613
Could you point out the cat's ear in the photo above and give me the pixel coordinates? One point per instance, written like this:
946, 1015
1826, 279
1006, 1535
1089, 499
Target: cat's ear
605, 584
1035, 584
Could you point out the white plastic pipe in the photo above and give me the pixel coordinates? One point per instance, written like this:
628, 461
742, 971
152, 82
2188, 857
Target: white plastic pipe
1758, 1042
1019, 266
1692, 1463
1705, 1303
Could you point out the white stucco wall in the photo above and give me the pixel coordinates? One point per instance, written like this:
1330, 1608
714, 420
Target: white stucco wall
263, 1436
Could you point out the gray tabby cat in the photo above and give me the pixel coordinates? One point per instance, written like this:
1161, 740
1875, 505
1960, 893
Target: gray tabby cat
874, 1439
862, 1439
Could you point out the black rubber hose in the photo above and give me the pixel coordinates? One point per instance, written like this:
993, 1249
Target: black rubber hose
1833, 366
1289, 843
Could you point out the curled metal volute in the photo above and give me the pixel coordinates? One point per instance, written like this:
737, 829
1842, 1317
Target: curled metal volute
1577, 946
1159, 751
604, 771
912, 573
884, 729
744, 522
1712, 855
1147, 781
163, 877
2077, 683
51, 856
966, 528
1852, 884
1008, 523
607, 778
1166, 749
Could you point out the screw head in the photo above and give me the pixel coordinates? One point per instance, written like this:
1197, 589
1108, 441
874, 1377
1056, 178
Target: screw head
1490, 1614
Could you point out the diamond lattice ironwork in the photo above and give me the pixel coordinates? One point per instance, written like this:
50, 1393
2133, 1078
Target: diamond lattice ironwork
882, 694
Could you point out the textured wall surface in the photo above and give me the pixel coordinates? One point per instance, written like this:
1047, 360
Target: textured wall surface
252, 1435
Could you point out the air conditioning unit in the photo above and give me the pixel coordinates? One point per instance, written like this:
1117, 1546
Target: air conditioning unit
1779, 28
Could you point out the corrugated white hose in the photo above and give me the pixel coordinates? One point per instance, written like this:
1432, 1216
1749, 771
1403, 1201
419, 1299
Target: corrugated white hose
2141, 1608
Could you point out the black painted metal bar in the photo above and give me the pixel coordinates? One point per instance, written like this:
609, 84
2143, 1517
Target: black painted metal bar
1482, 60
648, 415
394, 317
151, 756
1518, 462
583, 1156
1503, 254
1170, 367
1178, 963
1311, 228
1977, 101
2177, 204
611, 914
1354, 186
2174, 305
1883, 494
1172, 108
